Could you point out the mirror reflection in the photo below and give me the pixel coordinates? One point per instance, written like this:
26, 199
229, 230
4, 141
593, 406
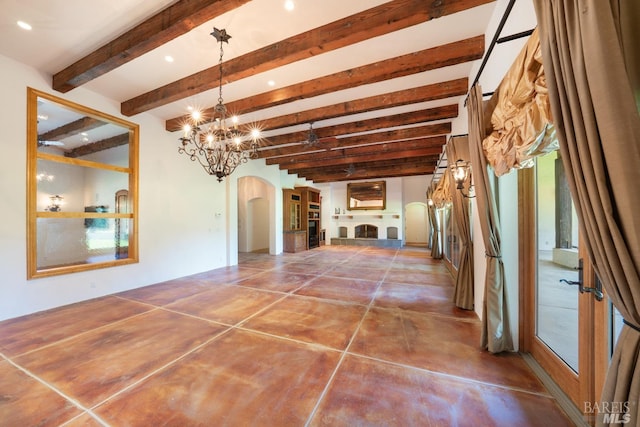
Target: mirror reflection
366, 195
82, 176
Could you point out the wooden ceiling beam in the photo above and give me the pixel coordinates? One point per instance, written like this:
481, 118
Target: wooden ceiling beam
347, 160
371, 138
388, 173
427, 146
429, 59
386, 18
429, 160
166, 25
410, 118
94, 147
70, 129
430, 92
374, 173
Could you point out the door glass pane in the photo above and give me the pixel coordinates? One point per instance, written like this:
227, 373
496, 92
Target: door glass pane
557, 263
616, 326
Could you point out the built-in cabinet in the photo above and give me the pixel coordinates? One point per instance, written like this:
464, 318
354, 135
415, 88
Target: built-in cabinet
295, 237
311, 215
301, 219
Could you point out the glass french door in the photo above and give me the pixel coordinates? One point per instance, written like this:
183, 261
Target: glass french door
567, 325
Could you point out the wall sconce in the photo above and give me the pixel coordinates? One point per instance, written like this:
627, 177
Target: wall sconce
461, 172
56, 204
44, 176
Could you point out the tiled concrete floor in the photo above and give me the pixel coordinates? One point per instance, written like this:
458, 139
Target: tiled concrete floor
337, 336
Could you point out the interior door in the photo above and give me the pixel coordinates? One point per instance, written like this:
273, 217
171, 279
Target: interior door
566, 324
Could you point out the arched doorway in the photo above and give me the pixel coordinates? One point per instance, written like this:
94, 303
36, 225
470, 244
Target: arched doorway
256, 215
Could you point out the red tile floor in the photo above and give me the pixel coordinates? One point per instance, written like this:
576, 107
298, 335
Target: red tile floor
336, 336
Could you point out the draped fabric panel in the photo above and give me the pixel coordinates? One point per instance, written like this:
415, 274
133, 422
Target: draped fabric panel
442, 193
588, 53
458, 148
436, 249
521, 119
496, 331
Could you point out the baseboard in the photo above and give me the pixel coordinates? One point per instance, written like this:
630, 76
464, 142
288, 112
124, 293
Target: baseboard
563, 400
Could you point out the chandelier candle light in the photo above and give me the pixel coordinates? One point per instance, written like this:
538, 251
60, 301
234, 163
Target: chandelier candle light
217, 147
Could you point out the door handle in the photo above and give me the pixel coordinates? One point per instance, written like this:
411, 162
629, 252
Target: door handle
596, 291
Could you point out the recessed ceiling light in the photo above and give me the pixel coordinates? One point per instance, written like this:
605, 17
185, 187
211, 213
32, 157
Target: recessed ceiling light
24, 25
271, 83
168, 58
289, 5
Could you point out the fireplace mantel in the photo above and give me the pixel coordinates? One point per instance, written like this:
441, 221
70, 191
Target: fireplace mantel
367, 215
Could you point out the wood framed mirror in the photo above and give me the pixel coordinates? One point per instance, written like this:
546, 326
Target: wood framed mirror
79, 164
366, 195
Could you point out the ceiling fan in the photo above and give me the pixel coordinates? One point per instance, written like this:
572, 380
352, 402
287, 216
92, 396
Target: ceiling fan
43, 143
313, 139
350, 170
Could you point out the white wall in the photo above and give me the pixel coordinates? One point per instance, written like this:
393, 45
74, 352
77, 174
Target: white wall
185, 216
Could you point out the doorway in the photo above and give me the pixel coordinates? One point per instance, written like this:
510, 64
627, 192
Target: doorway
416, 224
258, 225
256, 203
564, 329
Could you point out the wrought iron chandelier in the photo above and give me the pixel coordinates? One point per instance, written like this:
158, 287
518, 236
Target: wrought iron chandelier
218, 147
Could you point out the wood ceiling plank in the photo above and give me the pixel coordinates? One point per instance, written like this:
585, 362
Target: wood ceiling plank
430, 92
383, 19
173, 21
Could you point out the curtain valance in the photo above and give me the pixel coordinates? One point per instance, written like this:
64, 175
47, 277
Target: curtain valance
521, 121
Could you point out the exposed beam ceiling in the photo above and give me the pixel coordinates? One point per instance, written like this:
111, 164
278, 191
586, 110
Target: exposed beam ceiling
381, 81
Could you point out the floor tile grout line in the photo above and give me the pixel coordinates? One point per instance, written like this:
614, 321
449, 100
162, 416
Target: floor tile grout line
317, 345
163, 367
97, 328
346, 350
431, 313
56, 390
452, 376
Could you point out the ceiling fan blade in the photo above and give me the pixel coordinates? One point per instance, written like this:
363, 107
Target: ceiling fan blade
52, 143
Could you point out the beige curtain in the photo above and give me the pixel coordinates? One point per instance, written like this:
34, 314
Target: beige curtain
458, 148
521, 120
436, 250
442, 193
588, 55
496, 332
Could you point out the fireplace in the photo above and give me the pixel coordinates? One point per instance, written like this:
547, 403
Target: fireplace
366, 231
